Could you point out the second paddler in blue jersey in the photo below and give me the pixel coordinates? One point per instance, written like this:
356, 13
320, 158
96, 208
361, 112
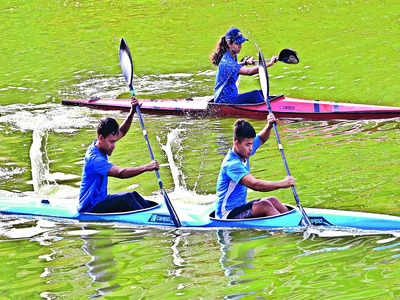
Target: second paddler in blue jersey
225, 57
235, 177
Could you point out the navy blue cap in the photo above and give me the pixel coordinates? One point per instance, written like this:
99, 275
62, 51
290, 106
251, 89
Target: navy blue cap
234, 35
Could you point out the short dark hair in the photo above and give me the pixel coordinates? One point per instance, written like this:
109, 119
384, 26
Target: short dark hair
107, 126
242, 130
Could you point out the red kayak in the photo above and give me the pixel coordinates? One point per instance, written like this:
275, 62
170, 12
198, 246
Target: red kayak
283, 107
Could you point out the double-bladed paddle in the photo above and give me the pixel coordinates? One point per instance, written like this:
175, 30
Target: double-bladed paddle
263, 73
125, 60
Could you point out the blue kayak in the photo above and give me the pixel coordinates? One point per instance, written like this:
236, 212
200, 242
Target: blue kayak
158, 215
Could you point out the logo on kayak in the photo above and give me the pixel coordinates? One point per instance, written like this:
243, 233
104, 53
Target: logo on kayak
163, 219
319, 221
288, 107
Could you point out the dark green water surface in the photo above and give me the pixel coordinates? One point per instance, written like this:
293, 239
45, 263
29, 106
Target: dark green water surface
52, 50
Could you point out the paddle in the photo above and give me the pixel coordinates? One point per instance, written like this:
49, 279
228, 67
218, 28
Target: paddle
287, 55
263, 73
125, 60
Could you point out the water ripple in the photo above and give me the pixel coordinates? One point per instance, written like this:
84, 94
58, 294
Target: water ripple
155, 84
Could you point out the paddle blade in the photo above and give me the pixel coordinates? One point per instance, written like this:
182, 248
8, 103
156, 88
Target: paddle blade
262, 74
171, 210
288, 56
125, 61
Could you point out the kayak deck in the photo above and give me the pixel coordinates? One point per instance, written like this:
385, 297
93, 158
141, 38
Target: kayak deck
283, 107
158, 215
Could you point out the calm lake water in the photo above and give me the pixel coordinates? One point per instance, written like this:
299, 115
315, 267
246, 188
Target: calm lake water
53, 50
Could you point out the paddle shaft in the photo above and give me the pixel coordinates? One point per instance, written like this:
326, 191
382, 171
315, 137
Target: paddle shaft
296, 197
148, 144
125, 60
171, 209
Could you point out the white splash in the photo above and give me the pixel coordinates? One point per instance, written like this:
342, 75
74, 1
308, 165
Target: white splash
181, 193
332, 232
40, 120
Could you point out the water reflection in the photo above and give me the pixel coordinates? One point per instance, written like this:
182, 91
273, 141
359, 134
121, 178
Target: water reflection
225, 239
100, 266
138, 253
112, 259
250, 262
332, 128
242, 268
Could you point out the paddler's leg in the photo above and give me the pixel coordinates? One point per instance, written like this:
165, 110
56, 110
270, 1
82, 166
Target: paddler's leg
270, 206
139, 200
121, 202
264, 208
278, 204
252, 97
241, 212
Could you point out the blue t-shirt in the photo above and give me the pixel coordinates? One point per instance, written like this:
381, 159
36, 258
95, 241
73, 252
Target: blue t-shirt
228, 69
94, 178
230, 192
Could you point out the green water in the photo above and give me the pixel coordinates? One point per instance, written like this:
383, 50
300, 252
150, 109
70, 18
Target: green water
52, 50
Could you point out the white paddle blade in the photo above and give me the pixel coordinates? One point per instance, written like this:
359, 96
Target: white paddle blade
125, 61
262, 74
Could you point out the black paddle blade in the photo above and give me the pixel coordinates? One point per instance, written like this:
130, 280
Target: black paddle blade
125, 61
288, 56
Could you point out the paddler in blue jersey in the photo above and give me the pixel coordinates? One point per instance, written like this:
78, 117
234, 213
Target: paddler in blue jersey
225, 57
93, 193
234, 177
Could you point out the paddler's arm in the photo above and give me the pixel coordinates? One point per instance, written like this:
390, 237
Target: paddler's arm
129, 172
254, 70
124, 128
248, 70
265, 186
266, 131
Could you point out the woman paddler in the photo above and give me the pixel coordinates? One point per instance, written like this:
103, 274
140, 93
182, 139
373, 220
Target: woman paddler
225, 57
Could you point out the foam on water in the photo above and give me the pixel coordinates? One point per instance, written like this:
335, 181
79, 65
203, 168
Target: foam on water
332, 232
40, 120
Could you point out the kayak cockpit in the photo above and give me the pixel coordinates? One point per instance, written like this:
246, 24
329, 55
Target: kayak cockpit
153, 205
271, 98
